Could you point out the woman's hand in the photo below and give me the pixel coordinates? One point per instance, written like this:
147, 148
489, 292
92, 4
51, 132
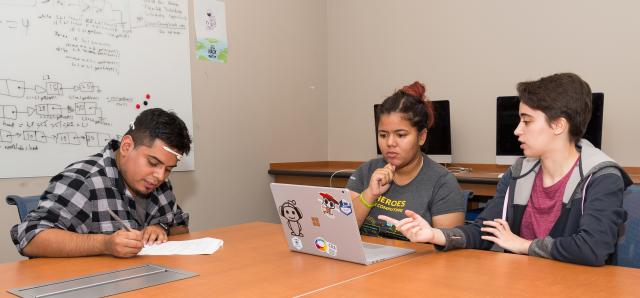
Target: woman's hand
381, 180
503, 236
414, 227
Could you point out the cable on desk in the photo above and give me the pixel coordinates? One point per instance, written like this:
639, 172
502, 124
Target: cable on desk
336, 172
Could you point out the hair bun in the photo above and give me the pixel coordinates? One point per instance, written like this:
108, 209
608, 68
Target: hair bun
416, 89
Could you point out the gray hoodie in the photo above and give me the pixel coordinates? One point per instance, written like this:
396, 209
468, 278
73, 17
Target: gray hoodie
586, 230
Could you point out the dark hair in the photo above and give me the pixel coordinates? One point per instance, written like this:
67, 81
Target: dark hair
563, 95
412, 103
157, 123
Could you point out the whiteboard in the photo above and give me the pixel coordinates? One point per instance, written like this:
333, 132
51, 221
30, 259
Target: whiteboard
75, 73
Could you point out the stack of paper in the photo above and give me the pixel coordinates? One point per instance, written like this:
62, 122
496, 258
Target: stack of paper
202, 246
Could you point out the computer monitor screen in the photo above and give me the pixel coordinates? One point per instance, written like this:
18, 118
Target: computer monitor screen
438, 144
507, 119
594, 128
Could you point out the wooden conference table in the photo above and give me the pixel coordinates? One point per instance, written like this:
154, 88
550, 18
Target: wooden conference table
255, 261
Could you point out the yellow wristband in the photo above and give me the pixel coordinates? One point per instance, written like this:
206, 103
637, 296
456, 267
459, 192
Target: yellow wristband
364, 202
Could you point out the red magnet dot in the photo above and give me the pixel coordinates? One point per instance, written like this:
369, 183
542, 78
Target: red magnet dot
138, 106
148, 96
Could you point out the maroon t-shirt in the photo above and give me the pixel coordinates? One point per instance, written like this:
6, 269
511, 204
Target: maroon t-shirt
544, 207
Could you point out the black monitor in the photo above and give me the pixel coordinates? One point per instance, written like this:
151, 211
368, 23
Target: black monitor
438, 144
507, 119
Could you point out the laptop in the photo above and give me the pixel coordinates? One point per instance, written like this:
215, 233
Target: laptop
321, 221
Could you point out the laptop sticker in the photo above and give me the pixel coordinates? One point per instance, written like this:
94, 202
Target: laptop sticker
345, 207
293, 215
326, 246
328, 204
333, 249
296, 242
315, 221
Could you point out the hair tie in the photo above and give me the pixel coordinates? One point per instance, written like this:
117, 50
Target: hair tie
416, 89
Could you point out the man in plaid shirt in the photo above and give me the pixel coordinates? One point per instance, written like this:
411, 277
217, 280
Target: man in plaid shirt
129, 178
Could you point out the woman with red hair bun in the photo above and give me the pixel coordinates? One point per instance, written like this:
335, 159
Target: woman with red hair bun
404, 178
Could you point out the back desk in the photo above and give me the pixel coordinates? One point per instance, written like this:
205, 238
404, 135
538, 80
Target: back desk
479, 178
255, 261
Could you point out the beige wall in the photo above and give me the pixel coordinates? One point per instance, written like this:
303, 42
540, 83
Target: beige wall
267, 104
305, 73
470, 52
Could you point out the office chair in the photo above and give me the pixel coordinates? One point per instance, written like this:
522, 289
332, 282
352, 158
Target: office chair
628, 247
469, 215
24, 204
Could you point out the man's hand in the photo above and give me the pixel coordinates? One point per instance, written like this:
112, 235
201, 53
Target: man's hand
154, 234
124, 244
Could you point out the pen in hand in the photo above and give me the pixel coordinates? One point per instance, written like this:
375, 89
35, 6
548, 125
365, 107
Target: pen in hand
124, 225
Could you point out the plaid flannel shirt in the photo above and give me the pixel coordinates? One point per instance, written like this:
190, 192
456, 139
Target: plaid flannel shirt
78, 198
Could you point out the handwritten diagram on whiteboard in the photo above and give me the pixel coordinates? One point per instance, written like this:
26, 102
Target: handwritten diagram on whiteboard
75, 73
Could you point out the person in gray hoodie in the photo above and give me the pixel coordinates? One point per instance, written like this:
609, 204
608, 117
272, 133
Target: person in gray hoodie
562, 201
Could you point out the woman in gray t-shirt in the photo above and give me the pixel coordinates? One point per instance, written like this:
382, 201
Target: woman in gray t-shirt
405, 178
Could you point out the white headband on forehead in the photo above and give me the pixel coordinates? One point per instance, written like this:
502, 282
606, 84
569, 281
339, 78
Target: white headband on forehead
178, 156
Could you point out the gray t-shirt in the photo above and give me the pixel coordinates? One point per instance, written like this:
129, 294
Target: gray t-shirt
141, 210
434, 191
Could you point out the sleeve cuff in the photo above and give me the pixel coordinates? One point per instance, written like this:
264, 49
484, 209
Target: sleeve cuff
454, 238
21, 237
181, 219
541, 247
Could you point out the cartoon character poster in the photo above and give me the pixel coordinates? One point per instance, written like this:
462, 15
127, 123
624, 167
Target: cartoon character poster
211, 30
